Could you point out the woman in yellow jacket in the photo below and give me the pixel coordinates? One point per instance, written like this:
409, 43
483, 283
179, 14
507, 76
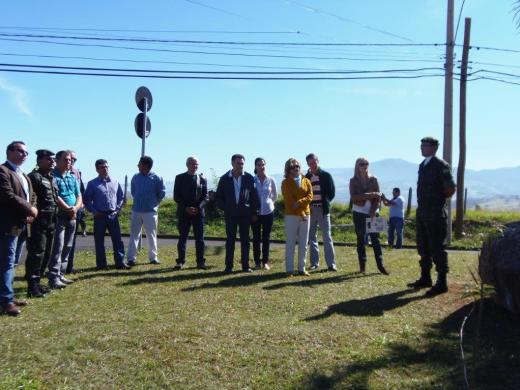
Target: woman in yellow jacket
297, 195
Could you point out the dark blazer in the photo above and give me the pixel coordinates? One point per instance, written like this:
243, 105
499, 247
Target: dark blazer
14, 208
248, 203
186, 193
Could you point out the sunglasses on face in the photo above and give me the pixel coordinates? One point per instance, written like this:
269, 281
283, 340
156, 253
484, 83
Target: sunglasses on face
295, 167
363, 164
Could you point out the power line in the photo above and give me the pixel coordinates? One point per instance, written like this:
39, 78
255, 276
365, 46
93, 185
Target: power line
458, 20
219, 78
222, 72
148, 31
216, 9
244, 43
206, 52
346, 20
163, 62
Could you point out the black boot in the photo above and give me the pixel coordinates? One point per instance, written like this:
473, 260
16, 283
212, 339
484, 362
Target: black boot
362, 267
33, 289
424, 281
440, 287
381, 267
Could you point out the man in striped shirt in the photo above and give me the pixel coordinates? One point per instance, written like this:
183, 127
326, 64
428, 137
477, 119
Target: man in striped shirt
323, 191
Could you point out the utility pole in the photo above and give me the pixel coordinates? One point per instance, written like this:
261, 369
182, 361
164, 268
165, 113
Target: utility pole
448, 98
462, 131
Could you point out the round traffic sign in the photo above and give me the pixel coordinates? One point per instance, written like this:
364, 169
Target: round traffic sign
140, 95
138, 124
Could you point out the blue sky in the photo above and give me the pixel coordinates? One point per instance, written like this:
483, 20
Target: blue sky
339, 120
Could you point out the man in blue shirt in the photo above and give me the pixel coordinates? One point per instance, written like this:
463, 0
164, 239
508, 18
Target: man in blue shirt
396, 220
69, 202
104, 199
148, 191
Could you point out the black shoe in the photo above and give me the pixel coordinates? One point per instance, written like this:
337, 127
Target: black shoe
43, 289
362, 268
130, 263
228, 270
179, 266
422, 282
202, 266
34, 291
333, 269
382, 269
314, 267
102, 268
436, 290
247, 270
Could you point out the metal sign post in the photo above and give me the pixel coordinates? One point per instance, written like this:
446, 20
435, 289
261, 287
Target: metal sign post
142, 124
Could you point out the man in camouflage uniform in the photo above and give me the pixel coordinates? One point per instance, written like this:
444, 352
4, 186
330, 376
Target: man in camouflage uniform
435, 186
39, 242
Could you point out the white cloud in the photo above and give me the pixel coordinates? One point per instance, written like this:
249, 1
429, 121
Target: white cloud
17, 96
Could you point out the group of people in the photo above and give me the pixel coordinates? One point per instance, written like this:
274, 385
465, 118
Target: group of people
46, 203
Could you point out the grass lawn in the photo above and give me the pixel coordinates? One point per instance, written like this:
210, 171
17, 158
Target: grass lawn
154, 327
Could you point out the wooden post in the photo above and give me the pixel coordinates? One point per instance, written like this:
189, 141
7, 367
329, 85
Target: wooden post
448, 98
409, 206
465, 199
462, 132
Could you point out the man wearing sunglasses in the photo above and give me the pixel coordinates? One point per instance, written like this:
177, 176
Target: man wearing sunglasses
17, 209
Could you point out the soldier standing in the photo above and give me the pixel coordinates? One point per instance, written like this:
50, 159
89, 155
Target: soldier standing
435, 186
39, 242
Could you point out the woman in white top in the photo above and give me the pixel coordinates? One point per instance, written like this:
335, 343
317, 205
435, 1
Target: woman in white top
266, 189
366, 197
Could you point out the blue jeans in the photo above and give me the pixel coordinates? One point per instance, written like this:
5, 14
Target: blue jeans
62, 246
395, 224
103, 223
323, 221
7, 255
20, 245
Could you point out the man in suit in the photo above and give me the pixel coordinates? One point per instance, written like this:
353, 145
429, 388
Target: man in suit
237, 196
190, 192
17, 209
435, 186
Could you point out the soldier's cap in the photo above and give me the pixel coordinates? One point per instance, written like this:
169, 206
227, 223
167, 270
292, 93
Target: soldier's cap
430, 140
41, 153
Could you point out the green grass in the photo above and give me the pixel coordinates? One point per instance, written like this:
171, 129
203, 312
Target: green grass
477, 225
153, 327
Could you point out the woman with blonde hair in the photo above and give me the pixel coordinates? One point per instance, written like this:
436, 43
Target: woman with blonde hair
366, 198
297, 196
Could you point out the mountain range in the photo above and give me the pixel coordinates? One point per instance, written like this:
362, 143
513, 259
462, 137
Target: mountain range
488, 188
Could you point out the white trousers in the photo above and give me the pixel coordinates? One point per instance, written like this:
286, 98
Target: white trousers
296, 230
149, 221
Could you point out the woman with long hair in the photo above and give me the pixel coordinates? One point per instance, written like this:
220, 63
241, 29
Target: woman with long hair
266, 189
297, 196
366, 198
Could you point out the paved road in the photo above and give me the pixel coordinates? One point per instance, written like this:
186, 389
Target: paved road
87, 243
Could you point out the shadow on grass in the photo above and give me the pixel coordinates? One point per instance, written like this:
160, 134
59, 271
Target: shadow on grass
436, 362
179, 277
374, 306
311, 282
239, 281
